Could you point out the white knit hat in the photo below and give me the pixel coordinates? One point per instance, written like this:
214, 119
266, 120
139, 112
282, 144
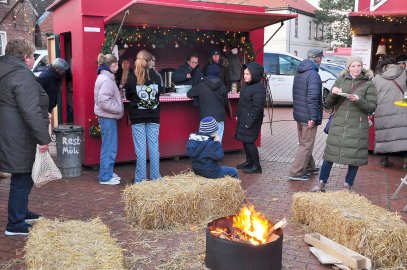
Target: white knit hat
352, 59
208, 125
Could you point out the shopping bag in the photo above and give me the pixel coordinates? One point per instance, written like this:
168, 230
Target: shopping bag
328, 124
44, 169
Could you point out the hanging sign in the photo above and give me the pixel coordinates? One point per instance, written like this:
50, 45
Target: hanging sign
362, 46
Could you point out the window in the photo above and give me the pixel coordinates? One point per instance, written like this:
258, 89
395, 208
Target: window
322, 32
296, 27
3, 42
288, 65
316, 31
309, 30
271, 63
42, 64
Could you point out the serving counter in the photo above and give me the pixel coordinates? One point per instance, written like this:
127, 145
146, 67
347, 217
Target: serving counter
179, 118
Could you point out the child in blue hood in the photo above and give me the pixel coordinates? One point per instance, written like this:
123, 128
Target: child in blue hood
206, 151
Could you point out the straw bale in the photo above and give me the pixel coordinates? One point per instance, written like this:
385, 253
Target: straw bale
183, 199
351, 220
55, 244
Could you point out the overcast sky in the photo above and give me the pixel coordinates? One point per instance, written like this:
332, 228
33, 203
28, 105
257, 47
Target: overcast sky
314, 2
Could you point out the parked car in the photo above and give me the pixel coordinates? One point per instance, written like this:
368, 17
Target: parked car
280, 68
334, 68
41, 61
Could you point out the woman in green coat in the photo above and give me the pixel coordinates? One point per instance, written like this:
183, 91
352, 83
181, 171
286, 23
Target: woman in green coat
354, 97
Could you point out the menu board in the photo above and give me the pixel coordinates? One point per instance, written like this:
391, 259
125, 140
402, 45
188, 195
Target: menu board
362, 46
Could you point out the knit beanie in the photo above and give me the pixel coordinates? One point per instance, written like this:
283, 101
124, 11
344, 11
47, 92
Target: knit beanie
352, 59
213, 70
214, 52
208, 125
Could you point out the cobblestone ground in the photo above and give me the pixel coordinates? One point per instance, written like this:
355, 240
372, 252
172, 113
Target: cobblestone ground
83, 198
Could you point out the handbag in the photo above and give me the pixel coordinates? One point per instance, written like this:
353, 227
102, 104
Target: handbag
336, 108
328, 124
44, 169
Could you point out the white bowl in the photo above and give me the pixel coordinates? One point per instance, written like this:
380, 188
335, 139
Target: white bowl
182, 89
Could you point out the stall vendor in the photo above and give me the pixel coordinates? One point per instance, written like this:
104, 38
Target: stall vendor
189, 73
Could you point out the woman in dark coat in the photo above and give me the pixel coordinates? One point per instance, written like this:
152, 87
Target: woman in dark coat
250, 116
23, 124
354, 97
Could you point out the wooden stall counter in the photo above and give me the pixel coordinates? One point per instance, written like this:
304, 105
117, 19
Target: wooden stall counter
179, 118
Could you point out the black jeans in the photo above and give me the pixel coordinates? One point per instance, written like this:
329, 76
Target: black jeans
252, 154
20, 188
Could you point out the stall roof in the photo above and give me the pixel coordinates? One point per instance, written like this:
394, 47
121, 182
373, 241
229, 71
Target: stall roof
195, 15
378, 22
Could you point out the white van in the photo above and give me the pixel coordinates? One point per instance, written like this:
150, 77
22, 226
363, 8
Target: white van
280, 68
41, 61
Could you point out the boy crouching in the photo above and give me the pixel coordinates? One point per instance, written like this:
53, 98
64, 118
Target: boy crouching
206, 151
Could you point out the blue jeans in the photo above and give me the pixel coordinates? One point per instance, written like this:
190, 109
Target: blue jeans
326, 170
108, 151
221, 130
20, 188
146, 134
229, 171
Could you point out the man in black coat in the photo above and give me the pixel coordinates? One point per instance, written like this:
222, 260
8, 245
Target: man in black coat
50, 80
307, 110
223, 63
23, 124
189, 73
213, 97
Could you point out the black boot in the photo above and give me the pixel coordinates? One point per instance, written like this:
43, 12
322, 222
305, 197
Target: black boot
253, 169
244, 165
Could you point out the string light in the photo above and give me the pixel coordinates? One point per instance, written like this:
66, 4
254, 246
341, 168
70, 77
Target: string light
154, 37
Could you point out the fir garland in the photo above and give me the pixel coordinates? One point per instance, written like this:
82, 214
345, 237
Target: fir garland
156, 37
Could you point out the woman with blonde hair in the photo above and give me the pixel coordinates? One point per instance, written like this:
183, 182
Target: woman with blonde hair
108, 108
143, 90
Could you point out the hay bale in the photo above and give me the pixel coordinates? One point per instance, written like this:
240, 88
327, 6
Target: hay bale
351, 220
55, 244
184, 199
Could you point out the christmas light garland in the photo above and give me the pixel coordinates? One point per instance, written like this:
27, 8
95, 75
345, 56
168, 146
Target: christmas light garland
158, 37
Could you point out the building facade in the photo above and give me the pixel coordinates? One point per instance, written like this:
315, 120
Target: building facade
297, 35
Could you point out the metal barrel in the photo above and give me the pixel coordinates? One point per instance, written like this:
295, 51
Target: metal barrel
69, 144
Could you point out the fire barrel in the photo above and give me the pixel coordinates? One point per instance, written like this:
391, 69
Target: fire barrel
223, 254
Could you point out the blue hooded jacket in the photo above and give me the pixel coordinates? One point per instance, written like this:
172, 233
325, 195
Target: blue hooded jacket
307, 93
205, 154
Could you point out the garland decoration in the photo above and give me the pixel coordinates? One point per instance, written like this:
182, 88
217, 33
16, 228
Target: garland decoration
158, 37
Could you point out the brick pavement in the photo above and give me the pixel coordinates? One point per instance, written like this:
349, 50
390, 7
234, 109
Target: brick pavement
270, 192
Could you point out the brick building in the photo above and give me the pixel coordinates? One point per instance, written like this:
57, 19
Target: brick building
17, 20
26, 19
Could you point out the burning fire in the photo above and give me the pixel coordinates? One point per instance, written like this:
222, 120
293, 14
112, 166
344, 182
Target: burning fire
249, 226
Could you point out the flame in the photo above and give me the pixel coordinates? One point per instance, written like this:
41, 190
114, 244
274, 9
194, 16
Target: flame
254, 227
248, 226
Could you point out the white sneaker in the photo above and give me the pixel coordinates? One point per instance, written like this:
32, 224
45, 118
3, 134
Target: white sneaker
115, 176
112, 181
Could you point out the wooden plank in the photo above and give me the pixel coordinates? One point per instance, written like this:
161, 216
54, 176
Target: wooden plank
348, 257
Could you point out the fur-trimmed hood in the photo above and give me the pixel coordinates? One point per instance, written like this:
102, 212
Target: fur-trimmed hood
366, 73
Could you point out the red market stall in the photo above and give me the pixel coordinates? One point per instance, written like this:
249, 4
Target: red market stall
83, 27
381, 23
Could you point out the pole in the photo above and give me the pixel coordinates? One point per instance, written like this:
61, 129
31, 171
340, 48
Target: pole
118, 31
278, 29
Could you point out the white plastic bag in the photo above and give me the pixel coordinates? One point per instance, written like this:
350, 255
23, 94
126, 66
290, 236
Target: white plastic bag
44, 169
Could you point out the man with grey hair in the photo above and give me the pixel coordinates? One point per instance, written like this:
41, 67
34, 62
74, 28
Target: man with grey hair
50, 79
307, 111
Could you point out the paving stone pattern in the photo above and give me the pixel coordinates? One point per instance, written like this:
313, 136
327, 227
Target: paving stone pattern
83, 198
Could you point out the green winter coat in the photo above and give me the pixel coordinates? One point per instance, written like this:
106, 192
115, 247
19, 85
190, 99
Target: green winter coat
348, 136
